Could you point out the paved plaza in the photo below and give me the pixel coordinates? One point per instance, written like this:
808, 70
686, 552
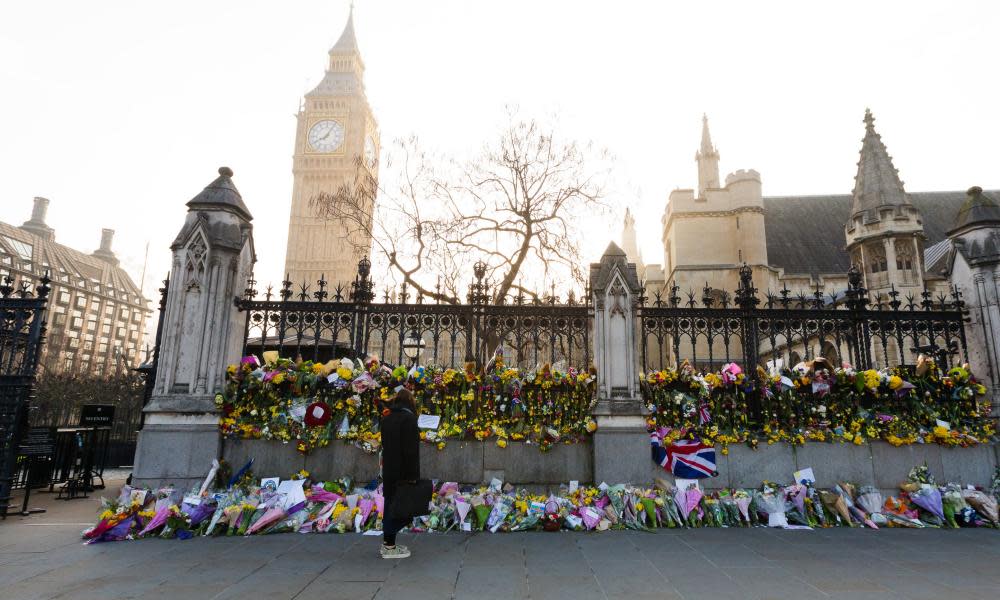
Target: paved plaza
42, 557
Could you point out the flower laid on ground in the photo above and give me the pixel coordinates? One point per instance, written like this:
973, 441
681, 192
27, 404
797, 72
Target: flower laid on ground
338, 506
816, 402
309, 404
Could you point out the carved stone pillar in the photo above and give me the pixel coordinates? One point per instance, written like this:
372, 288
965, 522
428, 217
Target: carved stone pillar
213, 256
621, 446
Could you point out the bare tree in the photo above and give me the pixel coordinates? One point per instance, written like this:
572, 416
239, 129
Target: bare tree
514, 207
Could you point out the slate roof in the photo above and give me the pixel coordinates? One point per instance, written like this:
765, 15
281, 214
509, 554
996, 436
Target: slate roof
805, 234
66, 266
978, 209
877, 183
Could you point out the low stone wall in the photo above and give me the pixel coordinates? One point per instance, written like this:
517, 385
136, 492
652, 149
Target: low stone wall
465, 462
876, 463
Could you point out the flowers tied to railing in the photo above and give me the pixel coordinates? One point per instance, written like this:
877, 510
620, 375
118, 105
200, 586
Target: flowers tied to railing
817, 402
310, 404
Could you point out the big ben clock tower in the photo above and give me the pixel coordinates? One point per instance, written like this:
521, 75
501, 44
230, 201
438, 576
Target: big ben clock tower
336, 135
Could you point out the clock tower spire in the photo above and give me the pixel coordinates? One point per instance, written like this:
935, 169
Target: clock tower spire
336, 135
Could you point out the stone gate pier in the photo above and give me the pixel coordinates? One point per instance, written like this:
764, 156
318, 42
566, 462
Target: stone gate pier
213, 256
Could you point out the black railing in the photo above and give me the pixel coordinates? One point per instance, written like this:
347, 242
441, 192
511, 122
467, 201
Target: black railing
783, 328
308, 325
22, 331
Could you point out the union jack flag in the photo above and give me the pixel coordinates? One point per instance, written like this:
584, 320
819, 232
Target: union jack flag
687, 459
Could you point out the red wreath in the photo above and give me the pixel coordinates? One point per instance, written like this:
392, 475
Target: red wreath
318, 414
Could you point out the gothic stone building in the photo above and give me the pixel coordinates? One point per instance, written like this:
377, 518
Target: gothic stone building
907, 241
336, 134
96, 315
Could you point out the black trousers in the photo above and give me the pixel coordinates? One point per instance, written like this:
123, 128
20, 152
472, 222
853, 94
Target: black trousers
390, 527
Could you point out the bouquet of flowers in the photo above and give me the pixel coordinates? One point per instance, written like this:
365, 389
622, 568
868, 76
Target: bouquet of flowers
898, 512
834, 502
648, 511
744, 499
815, 505
955, 509
918, 476
730, 509
795, 497
984, 504
715, 514
928, 498
177, 524
771, 500
870, 500
846, 491
687, 501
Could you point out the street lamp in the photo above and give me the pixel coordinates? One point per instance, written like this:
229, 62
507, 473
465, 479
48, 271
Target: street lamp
413, 345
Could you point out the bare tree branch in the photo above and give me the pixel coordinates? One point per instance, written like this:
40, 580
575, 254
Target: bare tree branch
514, 207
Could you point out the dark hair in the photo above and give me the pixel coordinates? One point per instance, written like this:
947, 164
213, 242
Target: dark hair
404, 399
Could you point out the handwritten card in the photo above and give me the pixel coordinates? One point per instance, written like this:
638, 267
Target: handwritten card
428, 421
685, 484
804, 475
573, 485
292, 489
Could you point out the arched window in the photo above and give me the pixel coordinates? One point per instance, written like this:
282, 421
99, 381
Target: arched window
905, 261
876, 259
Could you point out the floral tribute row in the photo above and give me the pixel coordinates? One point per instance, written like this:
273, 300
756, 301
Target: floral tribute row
817, 402
308, 506
310, 404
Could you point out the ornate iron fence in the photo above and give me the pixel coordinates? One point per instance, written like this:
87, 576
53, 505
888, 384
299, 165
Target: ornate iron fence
313, 326
22, 331
782, 329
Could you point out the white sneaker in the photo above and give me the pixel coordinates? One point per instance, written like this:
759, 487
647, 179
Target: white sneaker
397, 551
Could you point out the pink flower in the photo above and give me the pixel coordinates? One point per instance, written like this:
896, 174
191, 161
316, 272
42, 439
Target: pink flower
729, 372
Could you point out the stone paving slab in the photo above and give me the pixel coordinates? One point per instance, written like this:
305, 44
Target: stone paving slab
46, 562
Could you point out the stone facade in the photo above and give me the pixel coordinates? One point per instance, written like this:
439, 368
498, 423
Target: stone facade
336, 135
97, 313
970, 259
897, 239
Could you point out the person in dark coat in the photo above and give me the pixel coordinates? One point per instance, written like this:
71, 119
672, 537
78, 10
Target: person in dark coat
400, 462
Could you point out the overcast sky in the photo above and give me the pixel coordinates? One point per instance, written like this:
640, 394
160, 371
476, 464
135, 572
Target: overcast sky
121, 111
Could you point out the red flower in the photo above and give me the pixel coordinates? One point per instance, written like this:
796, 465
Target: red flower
318, 414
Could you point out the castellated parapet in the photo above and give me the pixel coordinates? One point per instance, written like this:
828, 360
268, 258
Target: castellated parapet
743, 190
742, 175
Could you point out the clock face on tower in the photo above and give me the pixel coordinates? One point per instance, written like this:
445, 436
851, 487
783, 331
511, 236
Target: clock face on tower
369, 152
326, 136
